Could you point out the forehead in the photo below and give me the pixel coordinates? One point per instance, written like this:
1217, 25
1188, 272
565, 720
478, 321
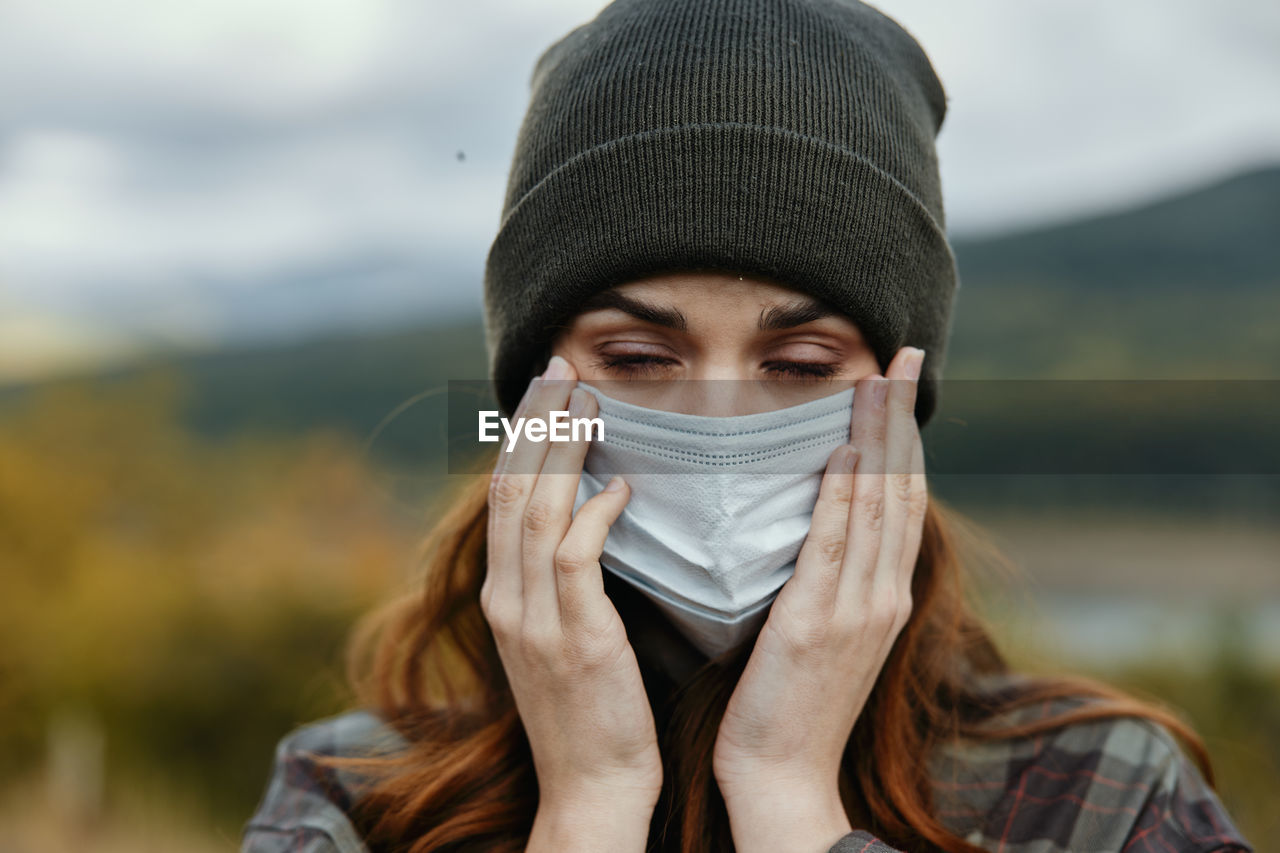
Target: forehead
699, 285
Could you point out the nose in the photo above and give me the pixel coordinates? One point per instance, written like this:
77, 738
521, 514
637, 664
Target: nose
720, 387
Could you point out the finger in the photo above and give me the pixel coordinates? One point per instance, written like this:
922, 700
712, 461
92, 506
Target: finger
501, 464
502, 577
866, 515
523, 469
509, 491
584, 605
550, 509
521, 408
551, 394
916, 510
520, 475
818, 566
902, 432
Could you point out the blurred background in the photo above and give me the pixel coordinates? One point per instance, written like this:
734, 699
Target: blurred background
241, 253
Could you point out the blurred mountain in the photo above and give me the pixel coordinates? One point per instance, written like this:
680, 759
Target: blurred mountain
1223, 235
1181, 287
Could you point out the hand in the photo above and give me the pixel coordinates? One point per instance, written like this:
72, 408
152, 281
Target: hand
573, 674
830, 629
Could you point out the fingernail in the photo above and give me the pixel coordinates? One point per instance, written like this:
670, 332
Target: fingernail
914, 361
880, 390
577, 402
558, 368
850, 459
615, 485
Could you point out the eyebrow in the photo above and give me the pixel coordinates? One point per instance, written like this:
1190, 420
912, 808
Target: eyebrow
776, 318
659, 316
795, 314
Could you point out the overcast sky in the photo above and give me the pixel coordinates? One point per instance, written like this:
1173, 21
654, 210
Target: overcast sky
188, 169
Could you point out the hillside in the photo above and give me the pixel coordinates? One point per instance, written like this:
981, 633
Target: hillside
1218, 236
1186, 286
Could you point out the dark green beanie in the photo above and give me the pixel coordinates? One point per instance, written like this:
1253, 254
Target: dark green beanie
792, 140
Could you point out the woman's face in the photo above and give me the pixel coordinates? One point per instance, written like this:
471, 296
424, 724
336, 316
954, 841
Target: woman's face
787, 346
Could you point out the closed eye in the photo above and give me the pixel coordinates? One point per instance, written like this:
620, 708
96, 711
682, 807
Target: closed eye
639, 364
633, 364
802, 369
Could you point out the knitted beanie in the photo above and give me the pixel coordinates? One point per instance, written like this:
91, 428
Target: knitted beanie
787, 139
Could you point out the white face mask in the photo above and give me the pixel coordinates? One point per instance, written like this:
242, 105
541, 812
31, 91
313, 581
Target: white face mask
719, 506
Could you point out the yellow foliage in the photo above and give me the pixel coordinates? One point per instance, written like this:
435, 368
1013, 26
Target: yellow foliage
170, 581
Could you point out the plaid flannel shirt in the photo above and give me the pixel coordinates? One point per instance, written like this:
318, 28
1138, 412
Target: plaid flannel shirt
1104, 786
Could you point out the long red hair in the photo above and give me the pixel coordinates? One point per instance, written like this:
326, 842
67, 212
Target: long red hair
426, 662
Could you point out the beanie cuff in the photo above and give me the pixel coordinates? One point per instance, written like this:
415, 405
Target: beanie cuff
735, 197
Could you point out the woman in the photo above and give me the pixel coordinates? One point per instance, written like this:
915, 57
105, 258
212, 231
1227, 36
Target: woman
742, 191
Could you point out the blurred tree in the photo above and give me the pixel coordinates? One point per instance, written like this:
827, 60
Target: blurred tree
190, 594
